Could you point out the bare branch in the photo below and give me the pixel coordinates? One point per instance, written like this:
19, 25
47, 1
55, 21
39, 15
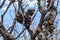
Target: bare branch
20, 33
50, 4
34, 15
13, 25
2, 4
2, 16
39, 29
7, 9
14, 7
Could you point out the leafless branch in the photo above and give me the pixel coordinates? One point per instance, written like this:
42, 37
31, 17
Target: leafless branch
2, 4
2, 16
20, 33
13, 25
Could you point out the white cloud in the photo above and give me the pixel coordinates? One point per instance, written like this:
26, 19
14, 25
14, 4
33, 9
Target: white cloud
1, 0
7, 1
32, 3
4, 8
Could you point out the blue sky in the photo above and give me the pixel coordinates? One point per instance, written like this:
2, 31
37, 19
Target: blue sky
31, 4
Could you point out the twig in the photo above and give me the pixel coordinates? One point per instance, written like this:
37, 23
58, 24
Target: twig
2, 4
13, 25
34, 15
20, 33
38, 30
14, 7
2, 16
50, 4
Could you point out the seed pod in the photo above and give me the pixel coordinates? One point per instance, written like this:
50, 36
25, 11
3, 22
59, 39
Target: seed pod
50, 21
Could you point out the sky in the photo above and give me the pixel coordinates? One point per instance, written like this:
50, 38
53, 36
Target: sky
8, 18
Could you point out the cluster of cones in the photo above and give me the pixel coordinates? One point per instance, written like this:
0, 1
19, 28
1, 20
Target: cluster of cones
25, 19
